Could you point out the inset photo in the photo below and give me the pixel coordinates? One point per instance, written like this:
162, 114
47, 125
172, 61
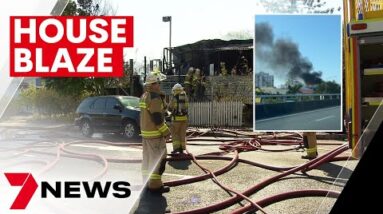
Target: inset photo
298, 73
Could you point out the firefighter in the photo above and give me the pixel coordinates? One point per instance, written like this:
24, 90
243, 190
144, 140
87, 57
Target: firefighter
243, 66
198, 85
310, 143
188, 81
179, 110
223, 69
154, 132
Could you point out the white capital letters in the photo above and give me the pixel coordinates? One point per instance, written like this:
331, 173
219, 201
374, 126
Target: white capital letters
23, 55
31, 30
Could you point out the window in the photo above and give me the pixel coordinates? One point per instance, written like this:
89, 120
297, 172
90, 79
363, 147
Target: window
131, 101
110, 103
85, 104
99, 104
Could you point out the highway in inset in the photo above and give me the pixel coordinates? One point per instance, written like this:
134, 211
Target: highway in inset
320, 119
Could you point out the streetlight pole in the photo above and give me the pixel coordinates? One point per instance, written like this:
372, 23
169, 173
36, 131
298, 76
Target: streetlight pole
169, 19
170, 43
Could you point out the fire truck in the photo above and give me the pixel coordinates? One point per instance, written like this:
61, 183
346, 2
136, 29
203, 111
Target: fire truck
363, 64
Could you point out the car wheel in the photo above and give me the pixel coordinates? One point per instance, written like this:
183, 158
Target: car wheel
130, 130
86, 128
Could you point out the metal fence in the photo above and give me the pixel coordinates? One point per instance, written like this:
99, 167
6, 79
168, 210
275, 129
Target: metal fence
284, 98
216, 114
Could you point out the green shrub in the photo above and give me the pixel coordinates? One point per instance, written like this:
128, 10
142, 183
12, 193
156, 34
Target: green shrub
47, 102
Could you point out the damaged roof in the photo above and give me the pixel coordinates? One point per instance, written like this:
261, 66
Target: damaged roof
215, 45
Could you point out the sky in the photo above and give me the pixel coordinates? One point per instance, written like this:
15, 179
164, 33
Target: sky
318, 38
191, 21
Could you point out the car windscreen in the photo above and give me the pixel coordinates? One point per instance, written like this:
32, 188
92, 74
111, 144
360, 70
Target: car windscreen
130, 102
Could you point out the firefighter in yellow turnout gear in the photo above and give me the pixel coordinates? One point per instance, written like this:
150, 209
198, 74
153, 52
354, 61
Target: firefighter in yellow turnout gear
154, 132
189, 81
179, 108
310, 143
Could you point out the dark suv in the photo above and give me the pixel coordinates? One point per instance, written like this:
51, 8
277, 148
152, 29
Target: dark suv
120, 114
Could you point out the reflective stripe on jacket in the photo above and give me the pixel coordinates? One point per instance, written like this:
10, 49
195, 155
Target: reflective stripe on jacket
151, 117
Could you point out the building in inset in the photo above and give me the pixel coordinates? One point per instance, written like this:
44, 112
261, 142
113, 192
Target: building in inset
263, 80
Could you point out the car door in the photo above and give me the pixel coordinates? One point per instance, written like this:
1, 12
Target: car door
97, 113
113, 116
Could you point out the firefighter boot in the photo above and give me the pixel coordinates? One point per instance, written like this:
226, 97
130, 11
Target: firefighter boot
156, 186
310, 142
162, 189
309, 157
177, 151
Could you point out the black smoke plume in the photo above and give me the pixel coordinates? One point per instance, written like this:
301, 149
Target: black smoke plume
284, 54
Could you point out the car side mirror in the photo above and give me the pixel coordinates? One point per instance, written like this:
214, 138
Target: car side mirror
117, 107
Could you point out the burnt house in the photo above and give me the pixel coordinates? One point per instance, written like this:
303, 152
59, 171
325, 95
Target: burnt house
206, 53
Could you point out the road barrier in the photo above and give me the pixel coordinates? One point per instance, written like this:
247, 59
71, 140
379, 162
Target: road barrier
263, 111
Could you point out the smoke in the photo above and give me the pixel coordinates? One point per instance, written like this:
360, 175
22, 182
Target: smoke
312, 78
283, 55
264, 34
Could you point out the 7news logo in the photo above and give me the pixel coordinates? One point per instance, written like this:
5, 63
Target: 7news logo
27, 190
71, 189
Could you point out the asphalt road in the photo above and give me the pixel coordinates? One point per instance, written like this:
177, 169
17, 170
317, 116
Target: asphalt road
328, 119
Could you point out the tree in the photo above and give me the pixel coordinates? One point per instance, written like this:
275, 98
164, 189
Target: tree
88, 8
70, 9
306, 6
242, 34
77, 87
121, 82
258, 91
328, 87
68, 86
294, 89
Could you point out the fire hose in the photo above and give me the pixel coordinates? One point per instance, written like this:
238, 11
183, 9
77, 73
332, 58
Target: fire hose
254, 145
249, 142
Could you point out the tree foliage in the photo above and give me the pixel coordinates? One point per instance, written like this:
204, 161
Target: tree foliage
242, 34
328, 87
47, 102
77, 87
294, 89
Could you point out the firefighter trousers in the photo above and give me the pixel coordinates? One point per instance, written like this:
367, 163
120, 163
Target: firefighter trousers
179, 134
310, 143
153, 162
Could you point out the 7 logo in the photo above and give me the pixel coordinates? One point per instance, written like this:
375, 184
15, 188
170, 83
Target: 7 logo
27, 190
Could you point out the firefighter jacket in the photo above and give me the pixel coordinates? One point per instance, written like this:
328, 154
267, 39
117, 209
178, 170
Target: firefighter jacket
179, 107
152, 115
188, 79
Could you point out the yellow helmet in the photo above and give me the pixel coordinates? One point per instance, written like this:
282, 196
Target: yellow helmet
177, 88
154, 76
190, 71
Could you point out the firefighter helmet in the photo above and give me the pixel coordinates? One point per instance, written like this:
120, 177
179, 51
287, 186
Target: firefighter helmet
177, 88
154, 76
197, 72
190, 71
